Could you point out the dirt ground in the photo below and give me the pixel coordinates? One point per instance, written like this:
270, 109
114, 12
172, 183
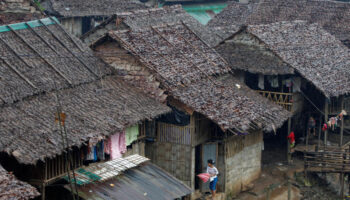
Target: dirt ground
273, 183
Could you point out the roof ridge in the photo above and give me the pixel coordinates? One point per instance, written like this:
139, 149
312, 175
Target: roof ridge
32, 24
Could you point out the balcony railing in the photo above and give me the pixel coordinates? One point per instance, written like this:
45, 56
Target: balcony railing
283, 99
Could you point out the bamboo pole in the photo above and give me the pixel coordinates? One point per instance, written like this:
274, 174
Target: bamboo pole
325, 119
289, 189
342, 123
319, 133
289, 154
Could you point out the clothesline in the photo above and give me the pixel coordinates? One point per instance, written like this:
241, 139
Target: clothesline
311, 102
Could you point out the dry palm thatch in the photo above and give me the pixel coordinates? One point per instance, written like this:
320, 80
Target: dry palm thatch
187, 68
39, 56
13, 189
313, 52
43, 67
333, 16
83, 8
139, 19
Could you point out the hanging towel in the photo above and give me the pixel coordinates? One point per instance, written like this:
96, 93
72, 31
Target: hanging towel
115, 151
273, 81
107, 146
288, 83
296, 84
122, 143
261, 84
92, 155
131, 134
100, 150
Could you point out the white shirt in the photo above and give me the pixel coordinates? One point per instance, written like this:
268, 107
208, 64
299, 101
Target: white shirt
212, 171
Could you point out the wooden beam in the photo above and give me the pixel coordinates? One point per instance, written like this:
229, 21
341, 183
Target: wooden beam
67, 34
14, 52
64, 46
326, 120
289, 153
33, 49
342, 122
18, 73
319, 133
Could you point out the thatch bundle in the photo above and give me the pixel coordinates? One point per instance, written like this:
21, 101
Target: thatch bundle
11, 188
188, 69
44, 68
313, 52
333, 16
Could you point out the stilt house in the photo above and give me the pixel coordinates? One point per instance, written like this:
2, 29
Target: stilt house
11, 188
55, 97
298, 65
17, 11
80, 16
215, 115
137, 19
333, 16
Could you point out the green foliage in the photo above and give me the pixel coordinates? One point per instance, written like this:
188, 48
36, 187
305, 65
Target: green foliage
38, 5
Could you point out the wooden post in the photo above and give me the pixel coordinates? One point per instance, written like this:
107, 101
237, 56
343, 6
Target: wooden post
342, 180
289, 153
341, 123
268, 193
43, 191
307, 139
326, 120
289, 190
319, 133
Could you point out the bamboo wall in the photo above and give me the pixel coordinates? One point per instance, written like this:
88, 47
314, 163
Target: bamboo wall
243, 161
174, 158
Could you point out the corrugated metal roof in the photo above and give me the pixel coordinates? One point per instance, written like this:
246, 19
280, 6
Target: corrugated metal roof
32, 24
107, 170
143, 182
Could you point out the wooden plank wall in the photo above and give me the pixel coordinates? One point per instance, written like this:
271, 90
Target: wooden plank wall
203, 129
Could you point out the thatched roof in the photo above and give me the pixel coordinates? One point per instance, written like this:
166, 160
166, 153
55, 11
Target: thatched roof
139, 19
13, 189
252, 58
28, 128
94, 105
231, 104
83, 8
178, 55
42, 58
313, 52
334, 16
10, 18
187, 68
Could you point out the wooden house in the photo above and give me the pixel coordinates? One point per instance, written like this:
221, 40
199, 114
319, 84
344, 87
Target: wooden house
215, 115
80, 16
48, 78
201, 10
298, 65
333, 16
17, 11
12, 188
150, 17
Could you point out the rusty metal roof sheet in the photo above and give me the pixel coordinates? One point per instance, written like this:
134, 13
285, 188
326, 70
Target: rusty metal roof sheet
107, 170
146, 181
